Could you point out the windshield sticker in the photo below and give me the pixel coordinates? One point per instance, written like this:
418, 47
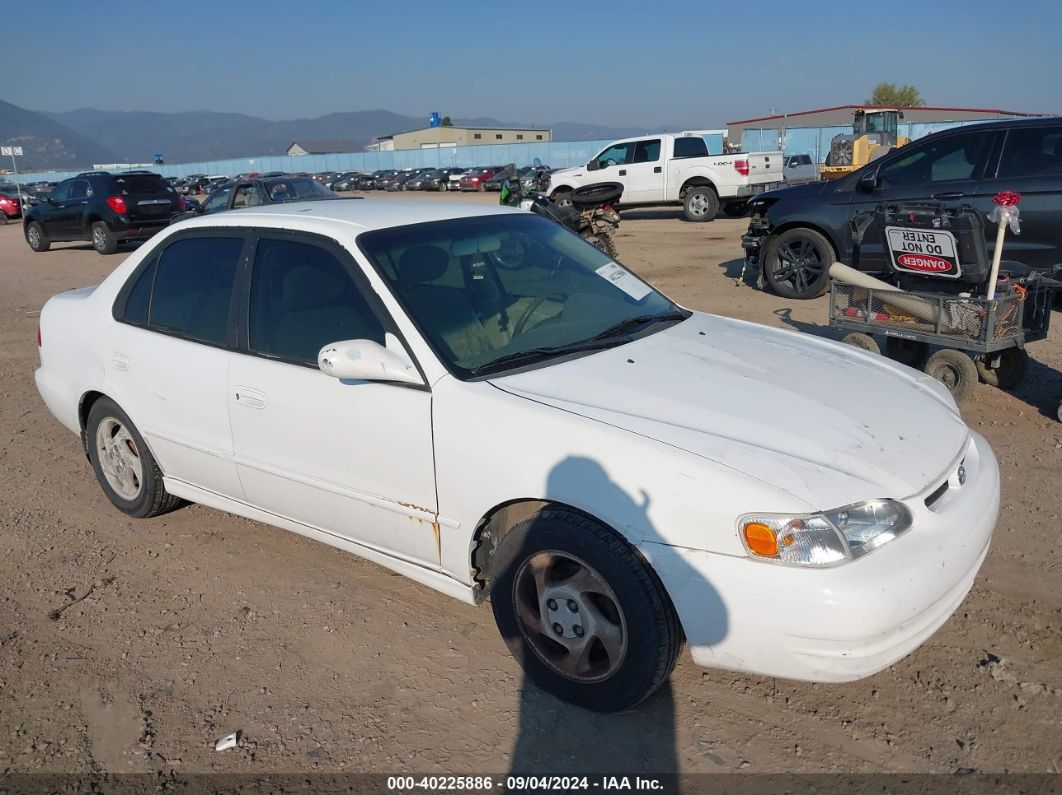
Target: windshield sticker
625, 280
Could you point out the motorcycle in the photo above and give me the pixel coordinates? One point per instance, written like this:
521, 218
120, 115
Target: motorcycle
590, 215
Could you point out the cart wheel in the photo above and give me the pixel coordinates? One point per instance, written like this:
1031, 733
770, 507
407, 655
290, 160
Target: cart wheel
955, 370
1059, 412
910, 352
861, 340
1008, 373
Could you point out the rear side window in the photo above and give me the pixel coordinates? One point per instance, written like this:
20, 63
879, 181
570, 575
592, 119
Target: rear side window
302, 298
1032, 152
690, 147
193, 287
139, 297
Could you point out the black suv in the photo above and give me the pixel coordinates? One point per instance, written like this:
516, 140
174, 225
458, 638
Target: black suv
797, 232
103, 208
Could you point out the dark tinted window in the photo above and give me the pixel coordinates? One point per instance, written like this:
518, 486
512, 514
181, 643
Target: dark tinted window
61, 192
1032, 152
647, 151
193, 287
690, 147
938, 159
302, 299
139, 298
140, 184
219, 200
79, 189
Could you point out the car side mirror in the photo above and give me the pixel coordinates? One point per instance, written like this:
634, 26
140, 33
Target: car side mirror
593, 165
868, 183
365, 360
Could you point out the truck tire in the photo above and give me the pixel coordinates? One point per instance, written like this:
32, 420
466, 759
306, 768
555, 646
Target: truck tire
701, 204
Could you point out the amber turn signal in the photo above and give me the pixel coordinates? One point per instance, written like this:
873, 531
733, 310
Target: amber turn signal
761, 539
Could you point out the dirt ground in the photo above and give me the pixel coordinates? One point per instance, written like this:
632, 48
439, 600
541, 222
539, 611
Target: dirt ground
132, 645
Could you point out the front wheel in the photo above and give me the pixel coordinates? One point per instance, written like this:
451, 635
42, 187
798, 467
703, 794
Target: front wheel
103, 239
701, 204
582, 612
123, 464
36, 238
796, 263
562, 198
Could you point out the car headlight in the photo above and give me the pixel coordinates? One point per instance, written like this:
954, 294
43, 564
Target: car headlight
823, 539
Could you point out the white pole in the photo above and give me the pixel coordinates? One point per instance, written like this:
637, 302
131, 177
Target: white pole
18, 186
997, 254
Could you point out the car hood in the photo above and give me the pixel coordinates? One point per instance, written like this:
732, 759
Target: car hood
825, 422
572, 171
797, 191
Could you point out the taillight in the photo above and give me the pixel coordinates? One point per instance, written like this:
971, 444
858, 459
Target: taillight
742, 167
180, 202
116, 203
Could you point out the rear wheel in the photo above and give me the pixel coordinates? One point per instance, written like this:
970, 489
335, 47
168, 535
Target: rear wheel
796, 263
35, 236
955, 370
124, 466
1008, 371
103, 239
603, 242
583, 614
858, 339
562, 198
701, 204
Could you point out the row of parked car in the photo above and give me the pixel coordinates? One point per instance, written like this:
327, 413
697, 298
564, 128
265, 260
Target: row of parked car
428, 178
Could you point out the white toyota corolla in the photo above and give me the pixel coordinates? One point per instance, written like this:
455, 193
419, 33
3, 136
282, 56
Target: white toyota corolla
478, 399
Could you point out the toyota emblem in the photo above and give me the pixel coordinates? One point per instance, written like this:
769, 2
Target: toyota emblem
962, 475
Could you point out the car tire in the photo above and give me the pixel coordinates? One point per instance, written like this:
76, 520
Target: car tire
598, 579
700, 204
910, 352
561, 198
103, 239
1009, 372
3, 218
955, 370
36, 238
736, 209
796, 263
124, 466
857, 339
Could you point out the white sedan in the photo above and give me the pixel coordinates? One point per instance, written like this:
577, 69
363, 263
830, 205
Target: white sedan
478, 399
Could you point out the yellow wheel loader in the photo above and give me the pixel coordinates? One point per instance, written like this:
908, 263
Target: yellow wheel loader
874, 133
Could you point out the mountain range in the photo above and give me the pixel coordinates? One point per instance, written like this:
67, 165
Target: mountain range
79, 138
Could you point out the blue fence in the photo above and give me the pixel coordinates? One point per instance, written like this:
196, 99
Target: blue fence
557, 154
815, 141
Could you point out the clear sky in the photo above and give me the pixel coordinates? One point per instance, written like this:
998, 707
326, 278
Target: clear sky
619, 62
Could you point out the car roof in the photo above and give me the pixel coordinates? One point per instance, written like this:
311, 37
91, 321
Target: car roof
361, 215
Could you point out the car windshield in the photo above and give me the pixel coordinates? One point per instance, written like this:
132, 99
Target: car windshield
496, 292
297, 188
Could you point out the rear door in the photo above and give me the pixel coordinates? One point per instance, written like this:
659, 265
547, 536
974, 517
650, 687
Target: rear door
645, 173
944, 167
68, 214
1031, 164
149, 199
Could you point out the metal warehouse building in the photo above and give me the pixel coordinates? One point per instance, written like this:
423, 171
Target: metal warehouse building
434, 137
810, 131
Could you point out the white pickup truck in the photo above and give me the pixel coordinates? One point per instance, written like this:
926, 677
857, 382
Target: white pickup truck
675, 169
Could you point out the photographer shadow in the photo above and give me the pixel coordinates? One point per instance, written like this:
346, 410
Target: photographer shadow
557, 738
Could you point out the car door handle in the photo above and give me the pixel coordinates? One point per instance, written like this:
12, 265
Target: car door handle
948, 195
250, 398
623, 172
657, 170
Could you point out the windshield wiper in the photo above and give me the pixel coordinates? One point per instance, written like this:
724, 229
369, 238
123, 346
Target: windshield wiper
532, 354
631, 323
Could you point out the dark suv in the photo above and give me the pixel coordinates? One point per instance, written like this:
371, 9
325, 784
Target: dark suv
797, 232
103, 208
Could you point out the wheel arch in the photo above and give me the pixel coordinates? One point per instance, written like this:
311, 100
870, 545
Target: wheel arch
788, 225
84, 406
499, 520
696, 182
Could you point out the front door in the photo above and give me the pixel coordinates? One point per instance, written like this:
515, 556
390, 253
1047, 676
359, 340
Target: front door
613, 163
352, 458
945, 168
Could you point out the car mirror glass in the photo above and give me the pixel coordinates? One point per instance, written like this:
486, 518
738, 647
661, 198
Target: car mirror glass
593, 165
366, 360
869, 181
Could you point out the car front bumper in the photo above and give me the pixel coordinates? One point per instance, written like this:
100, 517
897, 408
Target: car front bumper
845, 622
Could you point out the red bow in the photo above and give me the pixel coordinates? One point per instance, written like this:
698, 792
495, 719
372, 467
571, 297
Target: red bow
1007, 198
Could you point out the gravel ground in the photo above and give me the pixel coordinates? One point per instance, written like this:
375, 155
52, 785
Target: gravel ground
132, 646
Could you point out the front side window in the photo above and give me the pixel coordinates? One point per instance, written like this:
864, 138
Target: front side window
219, 200
616, 155
193, 287
61, 192
944, 159
1032, 152
302, 298
499, 291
